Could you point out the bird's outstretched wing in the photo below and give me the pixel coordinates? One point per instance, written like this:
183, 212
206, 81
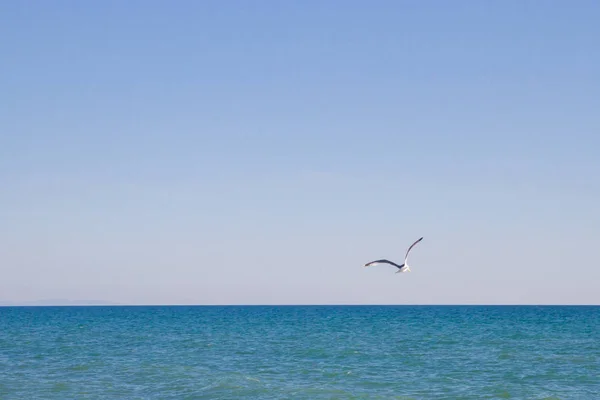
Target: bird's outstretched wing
410, 248
382, 262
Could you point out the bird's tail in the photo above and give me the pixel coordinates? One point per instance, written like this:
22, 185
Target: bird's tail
400, 269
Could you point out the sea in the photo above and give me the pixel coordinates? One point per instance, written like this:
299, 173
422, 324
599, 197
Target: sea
300, 352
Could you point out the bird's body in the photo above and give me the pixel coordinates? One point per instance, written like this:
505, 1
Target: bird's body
401, 268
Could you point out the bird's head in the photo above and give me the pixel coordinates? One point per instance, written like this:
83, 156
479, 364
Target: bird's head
406, 268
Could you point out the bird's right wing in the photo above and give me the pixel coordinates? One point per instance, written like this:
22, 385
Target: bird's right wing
382, 262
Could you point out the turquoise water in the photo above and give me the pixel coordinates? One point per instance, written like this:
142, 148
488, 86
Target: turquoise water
300, 352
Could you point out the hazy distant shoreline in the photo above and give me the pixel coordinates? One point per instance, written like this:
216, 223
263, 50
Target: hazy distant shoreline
58, 302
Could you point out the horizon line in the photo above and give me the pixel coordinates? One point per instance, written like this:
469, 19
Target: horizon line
308, 305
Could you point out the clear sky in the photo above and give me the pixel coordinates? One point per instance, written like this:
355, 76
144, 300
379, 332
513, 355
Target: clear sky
261, 152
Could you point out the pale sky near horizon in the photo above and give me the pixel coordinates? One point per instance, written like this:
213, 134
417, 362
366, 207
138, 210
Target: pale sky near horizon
231, 152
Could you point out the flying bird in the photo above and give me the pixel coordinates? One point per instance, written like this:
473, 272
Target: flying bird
401, 268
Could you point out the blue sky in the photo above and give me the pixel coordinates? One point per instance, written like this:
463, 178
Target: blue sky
261, 152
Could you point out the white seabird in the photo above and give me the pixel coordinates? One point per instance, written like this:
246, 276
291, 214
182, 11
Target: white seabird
401, 268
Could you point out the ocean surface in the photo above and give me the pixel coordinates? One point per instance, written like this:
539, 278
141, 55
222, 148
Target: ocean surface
300, 352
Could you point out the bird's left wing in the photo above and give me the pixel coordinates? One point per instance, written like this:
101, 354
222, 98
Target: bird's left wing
411, 246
